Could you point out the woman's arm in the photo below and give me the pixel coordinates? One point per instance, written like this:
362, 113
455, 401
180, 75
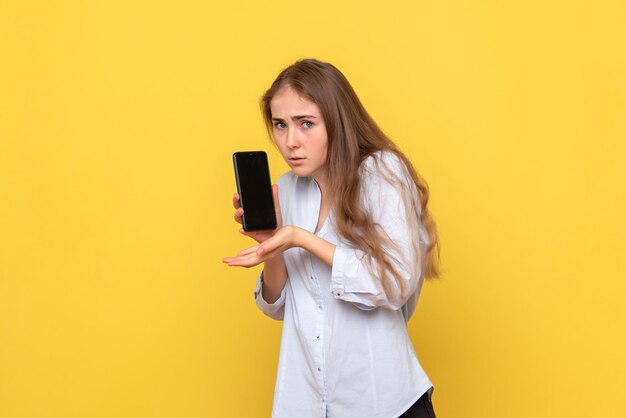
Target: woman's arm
270, 252
269, 293
275, 271
317, 246
298, 237
274, 279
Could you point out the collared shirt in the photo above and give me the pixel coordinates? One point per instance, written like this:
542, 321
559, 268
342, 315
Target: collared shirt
345, 350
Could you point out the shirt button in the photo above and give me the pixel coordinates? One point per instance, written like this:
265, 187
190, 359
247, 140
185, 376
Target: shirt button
319, 369
320, 306
312, 278
318, 338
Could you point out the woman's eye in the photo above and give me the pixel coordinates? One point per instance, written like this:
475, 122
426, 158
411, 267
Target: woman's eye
307, 124
280, 125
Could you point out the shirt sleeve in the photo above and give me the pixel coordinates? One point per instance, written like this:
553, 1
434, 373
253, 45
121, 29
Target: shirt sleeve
274, 310
391, 201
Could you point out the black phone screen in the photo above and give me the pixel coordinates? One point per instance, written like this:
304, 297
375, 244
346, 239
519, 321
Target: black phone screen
255, 190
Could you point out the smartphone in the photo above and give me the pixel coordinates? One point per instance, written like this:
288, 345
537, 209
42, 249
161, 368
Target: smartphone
254, 186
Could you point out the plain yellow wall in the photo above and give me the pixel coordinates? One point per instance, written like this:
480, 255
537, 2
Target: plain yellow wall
117, 124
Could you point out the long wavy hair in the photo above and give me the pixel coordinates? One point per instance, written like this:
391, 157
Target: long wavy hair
352, 137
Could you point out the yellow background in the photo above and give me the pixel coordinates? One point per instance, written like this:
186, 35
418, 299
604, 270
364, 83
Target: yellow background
117, 124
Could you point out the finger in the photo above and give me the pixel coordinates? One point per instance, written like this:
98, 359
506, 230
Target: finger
279, 217
248, 251
238, 215
242, 256
242, 262
235, 262
236, 201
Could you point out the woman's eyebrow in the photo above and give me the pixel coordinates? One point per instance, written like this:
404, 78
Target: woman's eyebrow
297, 117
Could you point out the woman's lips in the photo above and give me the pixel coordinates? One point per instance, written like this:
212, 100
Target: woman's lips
296, 160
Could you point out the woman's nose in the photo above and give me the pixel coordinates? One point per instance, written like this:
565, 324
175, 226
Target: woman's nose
292, 140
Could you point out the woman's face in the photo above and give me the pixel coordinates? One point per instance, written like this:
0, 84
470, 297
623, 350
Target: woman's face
300, 133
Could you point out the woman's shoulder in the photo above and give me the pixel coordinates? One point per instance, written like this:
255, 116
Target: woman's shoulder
385, 177
383, 163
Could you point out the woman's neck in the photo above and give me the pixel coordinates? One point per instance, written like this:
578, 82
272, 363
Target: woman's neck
320, 179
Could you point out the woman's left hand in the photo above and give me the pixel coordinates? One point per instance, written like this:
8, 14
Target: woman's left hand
283, 239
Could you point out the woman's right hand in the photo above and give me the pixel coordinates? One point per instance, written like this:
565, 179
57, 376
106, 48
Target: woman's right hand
259, 236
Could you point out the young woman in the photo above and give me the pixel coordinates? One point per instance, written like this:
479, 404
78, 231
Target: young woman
345, 266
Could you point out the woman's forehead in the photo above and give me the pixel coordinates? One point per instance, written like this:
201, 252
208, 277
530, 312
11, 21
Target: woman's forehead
289, 102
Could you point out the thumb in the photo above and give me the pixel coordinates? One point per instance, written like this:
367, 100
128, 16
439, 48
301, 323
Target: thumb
279, 215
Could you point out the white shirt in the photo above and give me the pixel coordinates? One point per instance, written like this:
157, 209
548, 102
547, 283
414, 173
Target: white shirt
345, 350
